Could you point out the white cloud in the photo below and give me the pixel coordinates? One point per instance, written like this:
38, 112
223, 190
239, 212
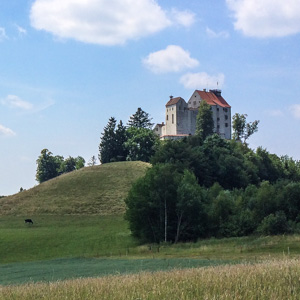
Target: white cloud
171, 59
105, 22
295, 110
3, 35
13, 101
6, 131
213, 34
198, 80
184, 18
266, 18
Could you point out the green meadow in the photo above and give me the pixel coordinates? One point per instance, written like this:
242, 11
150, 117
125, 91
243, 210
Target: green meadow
79, 233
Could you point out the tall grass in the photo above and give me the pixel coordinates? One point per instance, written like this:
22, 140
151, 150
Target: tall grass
268, 280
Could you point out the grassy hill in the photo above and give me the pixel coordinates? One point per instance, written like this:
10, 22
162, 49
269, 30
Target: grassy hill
96, 190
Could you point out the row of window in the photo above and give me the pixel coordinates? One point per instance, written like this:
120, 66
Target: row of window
226, 118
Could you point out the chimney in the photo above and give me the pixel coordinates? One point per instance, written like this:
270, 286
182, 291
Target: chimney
171, 97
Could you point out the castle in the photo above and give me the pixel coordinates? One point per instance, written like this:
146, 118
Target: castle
181, 116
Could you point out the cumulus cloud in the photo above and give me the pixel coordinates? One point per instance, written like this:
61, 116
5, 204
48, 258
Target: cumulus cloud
171, 59
212, 34
295, 110
184, 18
13, 101
3, 35
267, 18
4, 131
202, 79
105, 22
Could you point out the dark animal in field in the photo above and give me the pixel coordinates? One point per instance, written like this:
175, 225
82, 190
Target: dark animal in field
28, 221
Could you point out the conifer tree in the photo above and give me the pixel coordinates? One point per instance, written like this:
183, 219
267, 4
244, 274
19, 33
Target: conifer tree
120, 139
107, 146
140, 119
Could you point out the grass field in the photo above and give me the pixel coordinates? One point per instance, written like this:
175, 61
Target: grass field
96, 190
79, 231
62, 269
276, 280
61, 247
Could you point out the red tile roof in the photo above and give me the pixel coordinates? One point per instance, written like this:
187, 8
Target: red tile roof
212, 99
173, 101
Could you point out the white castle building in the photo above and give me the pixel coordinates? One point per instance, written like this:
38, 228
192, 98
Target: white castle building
181, 116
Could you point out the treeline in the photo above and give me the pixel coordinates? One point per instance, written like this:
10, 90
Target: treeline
50, 166
136, 141
214, 188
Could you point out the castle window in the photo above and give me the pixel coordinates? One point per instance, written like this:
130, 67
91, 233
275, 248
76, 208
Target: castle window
226, 124
226, 117
218, 119
217, 108
194, 102
225, 109
167, 117
172, 118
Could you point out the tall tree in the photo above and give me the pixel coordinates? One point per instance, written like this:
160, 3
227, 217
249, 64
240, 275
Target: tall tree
120, 139
204, 121
107, 146
140, 144
140, 119
47, 166
241, 129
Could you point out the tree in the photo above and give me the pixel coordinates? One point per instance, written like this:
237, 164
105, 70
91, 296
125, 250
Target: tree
204, 121
151, 204
80, 161
241, 129
189, 208
92, 161
140, 119
107, 147
120, 139
140, 144
47, 166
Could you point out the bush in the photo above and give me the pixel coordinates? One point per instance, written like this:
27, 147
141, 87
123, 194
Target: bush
274, 224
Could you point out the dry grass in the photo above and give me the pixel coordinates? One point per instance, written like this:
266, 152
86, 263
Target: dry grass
267, 280
97, 190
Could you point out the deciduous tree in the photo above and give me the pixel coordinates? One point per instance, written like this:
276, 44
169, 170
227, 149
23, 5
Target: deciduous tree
204, 121
241, 129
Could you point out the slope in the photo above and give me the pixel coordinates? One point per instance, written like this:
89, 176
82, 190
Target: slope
96, 190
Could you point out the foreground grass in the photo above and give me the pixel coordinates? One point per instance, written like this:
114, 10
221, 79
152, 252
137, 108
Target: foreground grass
268, 280
91, 190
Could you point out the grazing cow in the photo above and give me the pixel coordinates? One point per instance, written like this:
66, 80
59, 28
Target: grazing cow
28, 221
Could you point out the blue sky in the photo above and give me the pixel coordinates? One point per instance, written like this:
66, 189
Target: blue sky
67, 66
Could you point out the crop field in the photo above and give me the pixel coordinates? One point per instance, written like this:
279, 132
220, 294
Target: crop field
274, 280
62, 269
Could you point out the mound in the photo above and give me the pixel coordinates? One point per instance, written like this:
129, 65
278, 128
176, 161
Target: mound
97, 190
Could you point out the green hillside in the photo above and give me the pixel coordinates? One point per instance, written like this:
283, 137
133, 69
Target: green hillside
96, 190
